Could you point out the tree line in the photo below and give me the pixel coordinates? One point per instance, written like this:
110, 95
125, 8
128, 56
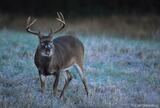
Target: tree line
80, 7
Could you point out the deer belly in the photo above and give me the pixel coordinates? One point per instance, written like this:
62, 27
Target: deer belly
67, 68
68, 65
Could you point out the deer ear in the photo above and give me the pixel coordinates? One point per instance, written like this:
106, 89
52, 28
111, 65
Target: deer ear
39, 34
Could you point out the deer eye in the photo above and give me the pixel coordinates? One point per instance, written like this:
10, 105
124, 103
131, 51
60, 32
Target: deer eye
49, 46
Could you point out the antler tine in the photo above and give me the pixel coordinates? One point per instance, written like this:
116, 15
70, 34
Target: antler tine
29, 24
62, 16
61, 20
28, 20
58, 15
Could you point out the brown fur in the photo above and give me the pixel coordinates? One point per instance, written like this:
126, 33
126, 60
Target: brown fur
57, 55
68, 50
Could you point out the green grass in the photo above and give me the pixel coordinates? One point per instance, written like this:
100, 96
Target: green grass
120, 73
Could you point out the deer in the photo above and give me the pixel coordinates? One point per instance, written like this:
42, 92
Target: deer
58, 55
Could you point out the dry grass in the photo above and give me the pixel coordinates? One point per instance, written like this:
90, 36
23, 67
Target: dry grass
141, 27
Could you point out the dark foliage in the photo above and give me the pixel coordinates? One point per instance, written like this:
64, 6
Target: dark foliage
80, 7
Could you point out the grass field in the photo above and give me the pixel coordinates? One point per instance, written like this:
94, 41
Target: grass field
121, 73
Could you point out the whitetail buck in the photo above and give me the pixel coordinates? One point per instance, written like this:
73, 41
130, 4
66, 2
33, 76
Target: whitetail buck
58, 55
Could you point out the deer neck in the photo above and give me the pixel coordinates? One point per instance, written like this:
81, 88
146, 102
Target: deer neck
43, 59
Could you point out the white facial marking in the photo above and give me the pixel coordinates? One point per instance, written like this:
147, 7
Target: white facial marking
47, 54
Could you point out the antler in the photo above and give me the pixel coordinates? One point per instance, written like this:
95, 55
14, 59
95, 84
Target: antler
61, 25
62, 22
29, 24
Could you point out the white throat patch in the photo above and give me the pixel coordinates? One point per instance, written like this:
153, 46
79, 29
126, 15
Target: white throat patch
47, 55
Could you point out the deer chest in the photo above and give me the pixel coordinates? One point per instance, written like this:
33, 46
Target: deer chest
47, 70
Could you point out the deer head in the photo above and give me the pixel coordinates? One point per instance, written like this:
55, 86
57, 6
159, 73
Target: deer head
45, 42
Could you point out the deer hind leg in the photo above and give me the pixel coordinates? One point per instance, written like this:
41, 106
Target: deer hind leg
68, 78
55, 84
42, 81
83, 79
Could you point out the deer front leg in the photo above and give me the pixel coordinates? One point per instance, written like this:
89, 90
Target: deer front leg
42, 82
55, 84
